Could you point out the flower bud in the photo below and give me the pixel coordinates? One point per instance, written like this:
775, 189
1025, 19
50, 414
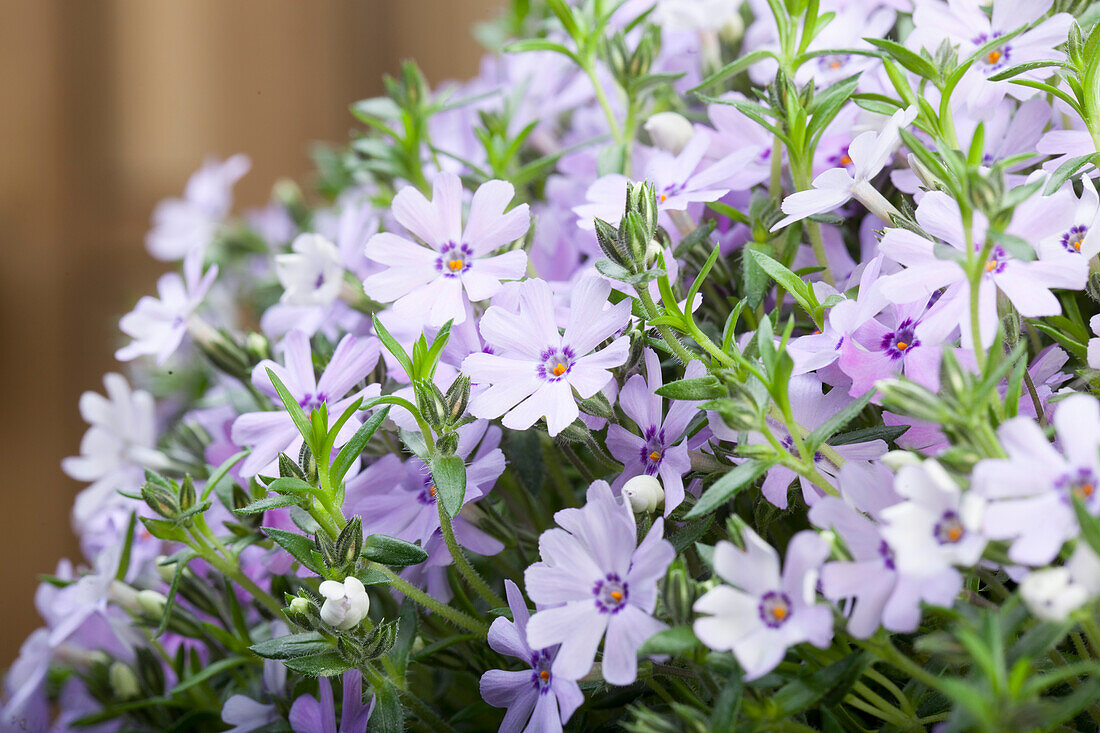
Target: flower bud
160, 499
326, 549
124, 683
187, 493
152, 602
447, 443
644, 493
257, 346
670, 131
642, 198
288, 468
607, 237
895, 459
457, 397
733, 29
430, 402
346, 604
678, 593
350, 542
299, 605
165, 570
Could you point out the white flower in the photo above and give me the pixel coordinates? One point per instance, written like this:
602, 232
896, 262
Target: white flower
670, 131
1051, 594
313, 274
644, 493
346, 604
867, 154
182, 224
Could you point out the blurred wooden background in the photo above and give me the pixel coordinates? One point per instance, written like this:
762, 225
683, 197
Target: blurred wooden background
109, 105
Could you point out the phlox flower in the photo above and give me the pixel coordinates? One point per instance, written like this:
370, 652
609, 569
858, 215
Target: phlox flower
426, 283
312, 274
937, 526
968, 25
880, 594
1031, 492
120, 443
158, 325
761, 613
1062, 224
1053, 593
182, 224
1026, 284
246, 714
270, 432
533, 370
658, 451
536, 698
308, 715
595, 578
677, 179
867, 154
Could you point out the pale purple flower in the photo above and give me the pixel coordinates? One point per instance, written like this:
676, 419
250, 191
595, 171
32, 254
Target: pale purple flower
937, 527
119, 445
1026, 284
312, 274
658, 451
595, 578
968, 25
183, 224
761, 613
1062, 224
1031, 492
246, 714
536, 698
533, 370
308, 715
879, 593
426, 283
868, 154
270, 432
677, 179
158, 325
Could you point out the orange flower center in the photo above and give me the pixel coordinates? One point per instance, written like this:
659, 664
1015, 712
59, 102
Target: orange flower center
992, 57
456, 265
544, 675
616, 595
654, 456
902, 346
559, 369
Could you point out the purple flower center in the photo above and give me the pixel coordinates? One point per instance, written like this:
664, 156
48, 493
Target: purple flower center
541, 677
1072, 239
653, 450
841, 159
611, 593
788, 443
1080, 484
669, 191
554, 364
427, 493
454, 259
775, 609
995, 265
313, 401
887, 554
833, 62
899, 342
992, 61
949, 530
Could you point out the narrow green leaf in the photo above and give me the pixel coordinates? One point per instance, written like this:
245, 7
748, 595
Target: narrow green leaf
677, 640
127, 546
207, 672
354, 447
696, 388
449, 475
294, 409
388, 550
838, 420
724, 488
326, 664
221, 471
292, 647
392, 346
270, 502
299, 546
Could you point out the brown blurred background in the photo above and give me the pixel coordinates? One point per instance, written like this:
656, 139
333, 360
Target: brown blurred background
109, 105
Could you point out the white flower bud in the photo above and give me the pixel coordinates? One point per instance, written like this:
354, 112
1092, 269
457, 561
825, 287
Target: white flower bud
164, 571
895, 459
152, 602
123, 596
644, 493
1051, 594
732, 30
124, 683
300, 605
670, 131
346, 604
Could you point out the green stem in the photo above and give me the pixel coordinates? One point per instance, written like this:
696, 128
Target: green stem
601, 97
817, 242
458, 618
468, 572
669, 337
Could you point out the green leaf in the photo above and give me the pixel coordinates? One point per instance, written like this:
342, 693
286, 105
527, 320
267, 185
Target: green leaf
1029, 66
180, 559
406, 636
327, 664
291, 485
163, 529
299, 546
270, 502
1015, 246
354, 447
449, 475
833, 681
887, 433
294, 409
696, 388
393, 347
538, 44
207, 672
911, 60
1064, 172
388, 550
294, 646
838, 420
733, 68
221, 471
729, 484
677, 640
799, 289
124, 558
1090, 525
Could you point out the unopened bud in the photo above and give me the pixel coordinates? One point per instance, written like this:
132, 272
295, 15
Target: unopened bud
152, 602
257, 346
124, 683
326, 549
447, 443
430, 402
299, 605
161, 500
187, 493
733, 29
457, 397
895, 459
350, 542
670, 131
678, 593
644, 494
165, 569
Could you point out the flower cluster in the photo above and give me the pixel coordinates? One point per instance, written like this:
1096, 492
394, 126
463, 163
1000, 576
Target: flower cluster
750, 350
